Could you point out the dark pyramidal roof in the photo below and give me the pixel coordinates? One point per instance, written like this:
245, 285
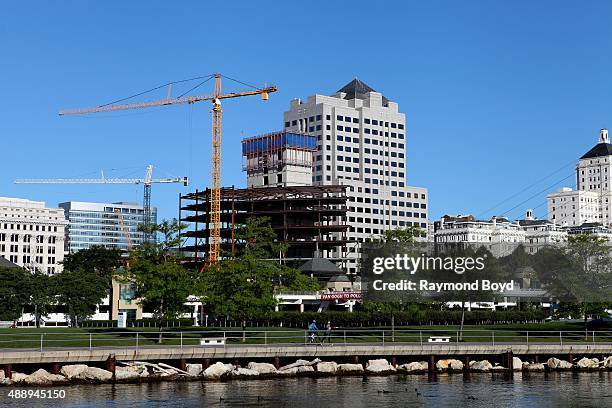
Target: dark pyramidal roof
600, 150
357, 89
5, 263
320, 266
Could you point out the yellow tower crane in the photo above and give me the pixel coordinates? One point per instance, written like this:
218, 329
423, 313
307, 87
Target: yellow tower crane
216, 97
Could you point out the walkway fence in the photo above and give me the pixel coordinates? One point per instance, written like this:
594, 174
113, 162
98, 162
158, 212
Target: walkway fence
47, 340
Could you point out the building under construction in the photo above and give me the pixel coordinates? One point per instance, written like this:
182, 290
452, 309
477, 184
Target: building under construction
310, 219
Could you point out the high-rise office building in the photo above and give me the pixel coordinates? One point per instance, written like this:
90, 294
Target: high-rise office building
105, 224
361, 142
32, 235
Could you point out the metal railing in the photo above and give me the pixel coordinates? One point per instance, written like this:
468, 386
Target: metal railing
49, 340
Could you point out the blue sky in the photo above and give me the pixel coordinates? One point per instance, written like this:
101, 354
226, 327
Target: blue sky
498, 95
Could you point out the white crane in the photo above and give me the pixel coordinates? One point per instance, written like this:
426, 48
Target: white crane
147, 181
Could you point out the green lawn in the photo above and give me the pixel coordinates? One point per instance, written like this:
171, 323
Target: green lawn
130, 337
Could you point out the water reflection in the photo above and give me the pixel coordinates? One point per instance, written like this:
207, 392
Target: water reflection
563, 389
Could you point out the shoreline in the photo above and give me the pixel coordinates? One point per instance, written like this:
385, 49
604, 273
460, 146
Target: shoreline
141, 372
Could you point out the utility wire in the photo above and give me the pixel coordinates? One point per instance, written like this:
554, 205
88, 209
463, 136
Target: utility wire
538, 193
526, 188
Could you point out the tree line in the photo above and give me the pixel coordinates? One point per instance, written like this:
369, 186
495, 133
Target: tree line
239, 287
242, 287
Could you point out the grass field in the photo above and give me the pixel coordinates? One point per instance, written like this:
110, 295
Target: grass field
189, 336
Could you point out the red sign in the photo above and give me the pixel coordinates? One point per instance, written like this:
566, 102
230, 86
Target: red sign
341, 296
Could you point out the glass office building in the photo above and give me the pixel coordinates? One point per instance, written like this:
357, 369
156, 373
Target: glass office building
92, 224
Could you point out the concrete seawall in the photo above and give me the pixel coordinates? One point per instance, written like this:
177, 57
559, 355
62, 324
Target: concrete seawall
154, 353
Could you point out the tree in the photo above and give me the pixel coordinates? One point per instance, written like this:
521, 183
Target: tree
161, 287
96, 265
43, 290
160, 283
402, 236
244, 286
241, 287
165, 249
578, 272
81, 290
258, 239
392, 242
97, 259
14, 292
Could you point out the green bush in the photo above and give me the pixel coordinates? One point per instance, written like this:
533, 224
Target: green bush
402, 318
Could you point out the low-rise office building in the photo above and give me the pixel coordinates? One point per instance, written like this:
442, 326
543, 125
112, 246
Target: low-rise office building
111, 225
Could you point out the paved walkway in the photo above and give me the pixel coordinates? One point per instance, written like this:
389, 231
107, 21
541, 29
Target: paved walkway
219, 352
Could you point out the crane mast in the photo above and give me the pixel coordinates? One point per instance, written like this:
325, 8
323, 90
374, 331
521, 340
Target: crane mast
146, 204
215, 192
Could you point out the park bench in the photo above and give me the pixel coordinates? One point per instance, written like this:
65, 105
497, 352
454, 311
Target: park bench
209, 341
439, 339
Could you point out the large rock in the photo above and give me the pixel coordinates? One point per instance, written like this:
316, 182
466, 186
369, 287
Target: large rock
73, 371
18, 378
301, 370
85, 373
218, 370
556, 364
517, 364
449, 365
126, 374
534, 367
168, 372
3, 379
300, 363
289, 372
482, 366
242, 372
140, 370
327, 367
414, 367
43, 377
194, 370
349, 368
306, 369
379, 366
588, 363
607, 363
262, 368
96, 374
143, 371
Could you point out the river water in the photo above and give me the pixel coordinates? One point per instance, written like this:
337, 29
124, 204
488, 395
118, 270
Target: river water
564, 389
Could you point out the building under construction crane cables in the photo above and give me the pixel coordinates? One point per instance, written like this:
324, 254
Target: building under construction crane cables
217, 132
